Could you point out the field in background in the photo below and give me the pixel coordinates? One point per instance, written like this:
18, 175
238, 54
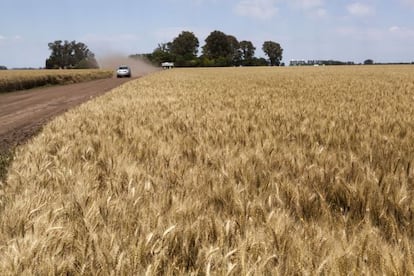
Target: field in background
221, 171
12, 80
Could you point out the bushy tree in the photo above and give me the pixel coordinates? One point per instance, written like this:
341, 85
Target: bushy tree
222, 49
274, 52
259, 62
368, 62
161, 54
247, 50
217, 46
185, 45
236, 55
70, 55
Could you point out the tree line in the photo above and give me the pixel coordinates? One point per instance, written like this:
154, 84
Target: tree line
219, 49
70, 55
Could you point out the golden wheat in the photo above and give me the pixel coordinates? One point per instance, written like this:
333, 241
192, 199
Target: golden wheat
11, 80
231, 171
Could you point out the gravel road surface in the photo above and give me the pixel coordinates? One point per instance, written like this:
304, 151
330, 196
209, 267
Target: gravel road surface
23, 113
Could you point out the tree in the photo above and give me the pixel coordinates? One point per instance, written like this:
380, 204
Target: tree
185, 45
274, 51
368, 62
220, 49
259, 62
70, 55
217, 46
162, 54
235, 53
247, 52
2, 67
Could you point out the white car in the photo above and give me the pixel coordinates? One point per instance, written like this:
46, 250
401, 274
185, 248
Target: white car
123, 71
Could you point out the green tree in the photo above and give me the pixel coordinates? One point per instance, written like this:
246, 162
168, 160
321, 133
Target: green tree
368, 62
247, 52
259, 62
185, 45
235, 53
82, 57
161, 54
70, 55
274, 52
217, 46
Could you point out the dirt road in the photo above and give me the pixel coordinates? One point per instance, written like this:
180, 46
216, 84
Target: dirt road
23, 113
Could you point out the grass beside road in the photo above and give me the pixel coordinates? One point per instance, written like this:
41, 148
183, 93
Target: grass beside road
13, 80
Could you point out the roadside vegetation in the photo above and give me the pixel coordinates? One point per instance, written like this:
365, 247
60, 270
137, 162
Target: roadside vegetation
13, 80
229, 171
5, 159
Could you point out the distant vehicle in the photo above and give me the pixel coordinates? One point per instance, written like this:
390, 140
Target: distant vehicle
123, 71
167, 65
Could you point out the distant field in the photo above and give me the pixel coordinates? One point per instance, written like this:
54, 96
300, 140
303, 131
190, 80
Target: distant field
229, 171
12, 80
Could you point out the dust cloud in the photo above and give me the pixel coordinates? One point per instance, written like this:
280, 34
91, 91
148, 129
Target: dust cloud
139, 66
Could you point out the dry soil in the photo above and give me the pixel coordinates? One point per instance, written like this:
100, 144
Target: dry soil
23, 113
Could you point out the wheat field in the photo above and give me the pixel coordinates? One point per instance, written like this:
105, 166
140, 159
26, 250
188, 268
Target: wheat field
231, 171
12, 80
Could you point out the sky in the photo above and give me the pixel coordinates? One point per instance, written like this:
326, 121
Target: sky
382, 30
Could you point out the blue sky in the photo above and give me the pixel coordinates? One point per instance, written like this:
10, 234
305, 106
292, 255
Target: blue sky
382, 30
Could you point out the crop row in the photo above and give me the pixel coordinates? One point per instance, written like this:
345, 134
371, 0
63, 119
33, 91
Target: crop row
12, 80
235, 171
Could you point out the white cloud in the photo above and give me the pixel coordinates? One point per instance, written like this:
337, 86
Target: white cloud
267, 9
308, 4
360, 9
394, 29
312, 8
11, 38
259, 9
401, 32
321, 12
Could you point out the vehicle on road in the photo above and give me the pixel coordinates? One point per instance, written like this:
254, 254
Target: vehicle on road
123, 71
